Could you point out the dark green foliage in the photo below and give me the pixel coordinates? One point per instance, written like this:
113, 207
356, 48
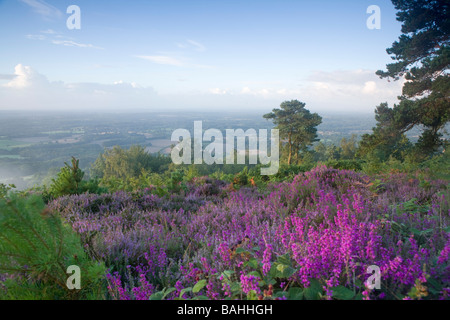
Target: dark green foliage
422, 56
132, 169
355, 165
342, 293
386, 140
287, 173
35, 250
125, 164
176, 181
348, 147
68, 180
241, 179
92, 186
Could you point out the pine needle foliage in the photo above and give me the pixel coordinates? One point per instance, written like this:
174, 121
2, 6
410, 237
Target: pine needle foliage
69, 180
36, 248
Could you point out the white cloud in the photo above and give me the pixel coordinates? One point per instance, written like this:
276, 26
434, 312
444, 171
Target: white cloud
56, 38
267, 92
36, 37
28, 89
162, 60
198, 46
352, 83
49, 31
70, 43
350, 89
370, 87
246, 90
25, 77
132, 84
43, 8
218, 91
191, 44
344, 90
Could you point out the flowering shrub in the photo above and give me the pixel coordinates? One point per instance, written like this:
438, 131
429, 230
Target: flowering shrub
312, 238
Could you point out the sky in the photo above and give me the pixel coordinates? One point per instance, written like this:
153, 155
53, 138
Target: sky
195, 55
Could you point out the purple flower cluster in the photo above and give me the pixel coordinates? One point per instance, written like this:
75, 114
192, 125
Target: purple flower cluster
249, 283
332, 223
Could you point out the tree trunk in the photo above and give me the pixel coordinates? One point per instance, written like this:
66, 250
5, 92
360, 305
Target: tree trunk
290, 149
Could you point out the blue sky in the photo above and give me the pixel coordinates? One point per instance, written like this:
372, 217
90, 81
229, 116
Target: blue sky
187, 54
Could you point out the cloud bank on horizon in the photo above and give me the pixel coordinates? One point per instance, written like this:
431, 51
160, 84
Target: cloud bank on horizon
351, 90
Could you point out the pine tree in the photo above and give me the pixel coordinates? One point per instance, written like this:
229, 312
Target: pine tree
385, 141
422, 57
68, 181
297, 126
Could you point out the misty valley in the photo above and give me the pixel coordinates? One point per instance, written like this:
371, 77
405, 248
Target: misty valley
34, 145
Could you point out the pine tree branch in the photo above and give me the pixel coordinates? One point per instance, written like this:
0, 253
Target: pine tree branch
25, 221
21, 234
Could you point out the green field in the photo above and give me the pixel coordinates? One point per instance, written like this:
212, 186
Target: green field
13, 156
11, 144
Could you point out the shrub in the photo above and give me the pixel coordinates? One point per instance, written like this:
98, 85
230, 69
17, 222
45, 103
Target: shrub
36, 249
